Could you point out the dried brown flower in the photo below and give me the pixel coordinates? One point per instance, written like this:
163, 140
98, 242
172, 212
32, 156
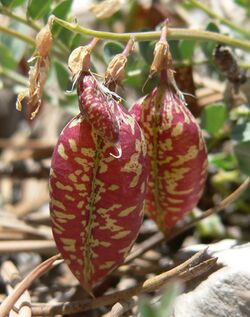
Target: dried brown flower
38, 72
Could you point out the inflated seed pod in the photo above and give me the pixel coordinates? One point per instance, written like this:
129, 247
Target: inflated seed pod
101, 117
97, 199
176, 149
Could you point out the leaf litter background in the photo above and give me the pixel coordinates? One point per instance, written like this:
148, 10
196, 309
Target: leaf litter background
221, 104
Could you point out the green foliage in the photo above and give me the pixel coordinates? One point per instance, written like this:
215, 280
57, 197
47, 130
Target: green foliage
211, 227
164, 309
62, 75
208, 47
62, 11
241, 132
225, 161
242, 152
186, 48
110, 49
244, 4
12, 3
7, 56
213, 118
15, 47
38, 9
241, 138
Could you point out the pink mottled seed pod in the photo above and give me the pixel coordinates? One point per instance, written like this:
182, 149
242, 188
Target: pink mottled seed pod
100, 115
177, 155
97, 199
176, 149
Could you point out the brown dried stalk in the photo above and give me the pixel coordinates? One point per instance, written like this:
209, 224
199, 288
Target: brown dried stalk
159, 237
39, 246
12, 278
18, 225
122, 307
10, 300
185, 271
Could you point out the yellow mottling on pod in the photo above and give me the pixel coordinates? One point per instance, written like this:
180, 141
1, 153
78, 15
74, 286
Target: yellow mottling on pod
88, 152
177, 130
191, 154
80, 187
78, 172
167, 145
84, 163
131, 122
113, 187
135, 167
73, 145
57, 204
175, 200
70, 198
107, 265
59, 185
143, 187
85, 178
73, 177
61, 151
110, 224
69, 244
103, 167
121, 235
126, 211
171, 189
105, 244
58, 227
80, 204
63, 215
174, 209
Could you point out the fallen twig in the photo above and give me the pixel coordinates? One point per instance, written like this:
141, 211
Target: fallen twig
182, 271
145, 246
122, 307
10, 300
21, 226
12, 278
39, 246
159, 237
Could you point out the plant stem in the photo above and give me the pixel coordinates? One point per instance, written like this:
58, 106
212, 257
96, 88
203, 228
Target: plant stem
14, 76
18, 18
17, 35
222, 20
29, 40
172, 33
29, 23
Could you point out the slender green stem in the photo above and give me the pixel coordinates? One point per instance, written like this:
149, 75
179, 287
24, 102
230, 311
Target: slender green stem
30, 23
17, 35
13, 76
173, 33
222, 20
26, 39
18, 18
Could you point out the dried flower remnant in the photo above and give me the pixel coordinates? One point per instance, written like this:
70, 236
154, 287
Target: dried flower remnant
116, 68
37, 73
79, 59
